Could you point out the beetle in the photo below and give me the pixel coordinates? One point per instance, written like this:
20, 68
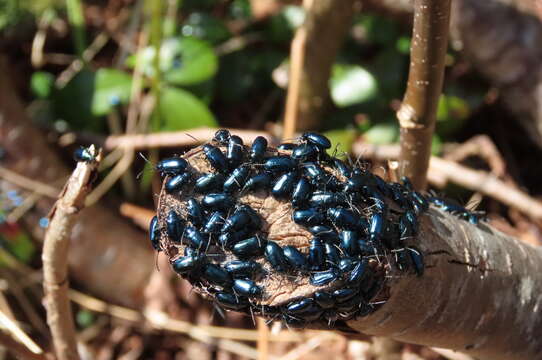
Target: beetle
216, 275
258, 148
296, 260
222, 136
342, 295
195, 238
177, 182
279, 164
195, 212
349, 242
237, 179
235, 151
214, 223
344, 169
308, 217
305, 152
216, 158
324, 277
376, 226
332, 254
325, 233
343, 218
245, 287
220, 201
283, 187
82, 154
359, 272
251, 247
324, 299
171, 166
174, 226
316, 254
317, 139
260, 181
326, 199
301, 193
154, 234
239, 268
209, 182
188, 264
230, 301
229, 239
299, 306
275, 255
236, 221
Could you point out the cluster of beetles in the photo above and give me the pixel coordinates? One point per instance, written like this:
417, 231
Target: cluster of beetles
359, 224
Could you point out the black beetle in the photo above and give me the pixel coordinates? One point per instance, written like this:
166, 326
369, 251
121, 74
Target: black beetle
187, 264
216, 275
250, 247
172, 166
177, 182
316, 254
220, 201
324, 299
195, 239
222, 136
258, 148
214, 223
333, 256
215, 157
279, 164
174, 226
245, 287
300, 306
154, 234
296, 260
235, 151
283, 187
237, 179
286, 146
305, 152
260, 181
194, 212
239, 268
308, 217
349, 242
209, 182
343, 218
301, 193
324, 277
230, 301
317, 139
275, 255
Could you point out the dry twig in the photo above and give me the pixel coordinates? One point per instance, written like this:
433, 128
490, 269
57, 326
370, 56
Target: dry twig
313, 51
417, 114
55, 258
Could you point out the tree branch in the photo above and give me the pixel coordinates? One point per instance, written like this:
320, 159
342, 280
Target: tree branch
313, 51
417, 114
55, 257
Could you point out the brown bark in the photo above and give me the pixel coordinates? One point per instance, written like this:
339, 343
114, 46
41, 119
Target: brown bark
501, 38
110, 258
479, 293
313, 51
417, 114
55, 257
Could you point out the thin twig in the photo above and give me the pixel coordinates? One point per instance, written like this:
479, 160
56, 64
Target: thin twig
263, 339
139, 215
55, 258
29, 184
175, 139
162, 321
19, 334
19, 349
441, 171
417, 114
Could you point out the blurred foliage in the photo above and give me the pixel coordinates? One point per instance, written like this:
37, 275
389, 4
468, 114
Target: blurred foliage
194, 84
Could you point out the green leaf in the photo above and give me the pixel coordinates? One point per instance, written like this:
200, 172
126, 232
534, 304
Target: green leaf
294, 15
385, 133
42, 83
92, 94
351, 84
84, 318
183, 61
180, 110
341, 141
452, 112
205, 27
111, 88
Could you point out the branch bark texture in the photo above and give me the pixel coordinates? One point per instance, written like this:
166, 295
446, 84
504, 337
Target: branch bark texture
417, 114
480, 293
105, 247
55, 258
313, 52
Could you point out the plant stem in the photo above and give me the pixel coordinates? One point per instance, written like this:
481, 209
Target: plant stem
156, 32
77, 22
417, 115
313, 52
